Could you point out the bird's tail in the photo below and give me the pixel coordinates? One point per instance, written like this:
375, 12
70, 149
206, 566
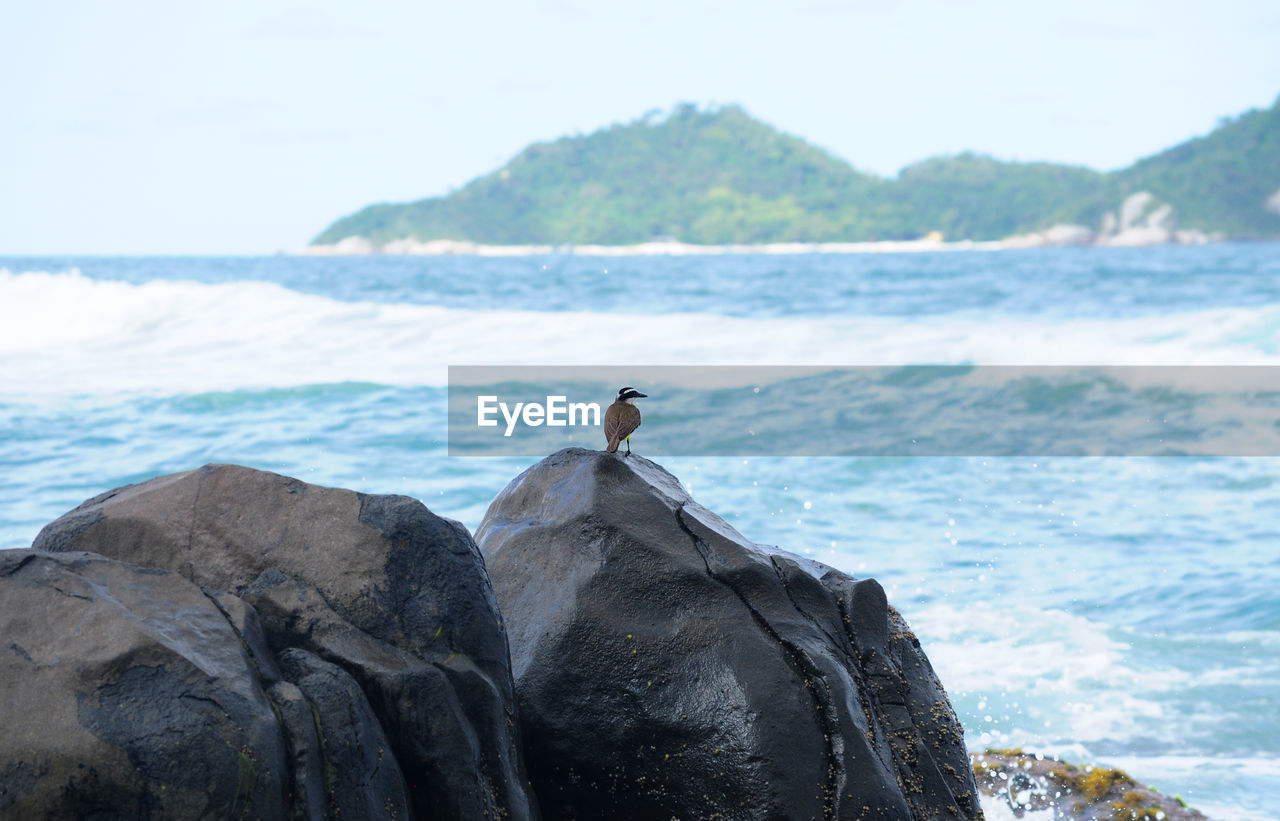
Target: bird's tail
613, 447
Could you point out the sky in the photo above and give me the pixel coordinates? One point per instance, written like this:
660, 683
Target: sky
247, 126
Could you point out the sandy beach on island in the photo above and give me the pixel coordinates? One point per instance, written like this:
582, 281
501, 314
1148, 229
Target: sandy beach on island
1057, 236
357, 246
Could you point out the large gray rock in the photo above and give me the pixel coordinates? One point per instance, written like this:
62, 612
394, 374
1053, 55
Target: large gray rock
379, 586
667, 667
360, 775
125, 693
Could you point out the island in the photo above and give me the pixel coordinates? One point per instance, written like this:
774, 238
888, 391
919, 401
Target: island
696, 179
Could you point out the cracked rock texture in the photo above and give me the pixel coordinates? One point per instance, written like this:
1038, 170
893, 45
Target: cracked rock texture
368, 625
125, 693
665, 666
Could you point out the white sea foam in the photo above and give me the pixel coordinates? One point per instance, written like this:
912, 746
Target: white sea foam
63, 333
1046, 660
1182, 765
1221, 812
1020, 645
1061, 685
997, 809
1221, 775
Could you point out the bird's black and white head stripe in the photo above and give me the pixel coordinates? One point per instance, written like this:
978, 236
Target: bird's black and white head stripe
630, 393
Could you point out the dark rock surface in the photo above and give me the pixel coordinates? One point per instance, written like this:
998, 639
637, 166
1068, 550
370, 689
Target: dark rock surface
125, 693
248, 645
666, 666
394, 596
361, 775
311, 794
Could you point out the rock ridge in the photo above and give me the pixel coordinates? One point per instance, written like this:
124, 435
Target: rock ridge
229, 642
365, 623
789, 690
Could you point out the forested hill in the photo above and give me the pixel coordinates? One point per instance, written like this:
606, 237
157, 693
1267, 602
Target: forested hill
720, 176
1228, 180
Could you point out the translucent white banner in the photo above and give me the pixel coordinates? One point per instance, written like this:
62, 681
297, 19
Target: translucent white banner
916, 410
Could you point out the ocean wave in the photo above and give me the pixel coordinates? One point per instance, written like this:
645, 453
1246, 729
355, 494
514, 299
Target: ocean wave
1023, 676
997, 809
65, 333
1221, 776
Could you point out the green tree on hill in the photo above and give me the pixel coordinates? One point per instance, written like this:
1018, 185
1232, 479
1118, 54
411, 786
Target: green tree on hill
716, 176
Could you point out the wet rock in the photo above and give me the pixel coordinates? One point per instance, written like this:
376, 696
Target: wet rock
379, 586
1026, 782
125, 693
360, 776
667, 666
311, 792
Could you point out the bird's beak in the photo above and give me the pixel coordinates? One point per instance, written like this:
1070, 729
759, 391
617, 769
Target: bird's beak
640, 396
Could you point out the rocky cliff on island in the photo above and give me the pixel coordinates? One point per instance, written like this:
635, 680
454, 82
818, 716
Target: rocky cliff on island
231, 643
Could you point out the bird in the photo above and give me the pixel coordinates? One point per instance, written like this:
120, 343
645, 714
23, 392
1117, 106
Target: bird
622, 418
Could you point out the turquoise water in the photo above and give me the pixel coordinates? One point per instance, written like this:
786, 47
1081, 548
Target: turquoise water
1125, 610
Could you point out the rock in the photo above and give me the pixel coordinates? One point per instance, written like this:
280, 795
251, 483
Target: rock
667, 667
379, 586
1134, 208
1063, 235
1026, 782
1194, 236
1143, 220
348, 246
1273, 202
308, 772
125, 693
1055, 235
1068, 235
359, 774
1140, 237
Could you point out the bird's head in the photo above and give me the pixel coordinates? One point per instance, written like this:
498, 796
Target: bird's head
630, 395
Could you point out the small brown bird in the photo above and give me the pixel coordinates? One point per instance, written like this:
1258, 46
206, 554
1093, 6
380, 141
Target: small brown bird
622, 418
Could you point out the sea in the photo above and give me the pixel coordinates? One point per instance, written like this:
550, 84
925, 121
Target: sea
1120, 610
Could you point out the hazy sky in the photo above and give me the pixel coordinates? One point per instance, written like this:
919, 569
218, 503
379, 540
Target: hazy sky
143, 126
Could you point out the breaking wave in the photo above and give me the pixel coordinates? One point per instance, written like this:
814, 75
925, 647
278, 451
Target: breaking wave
65, 333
